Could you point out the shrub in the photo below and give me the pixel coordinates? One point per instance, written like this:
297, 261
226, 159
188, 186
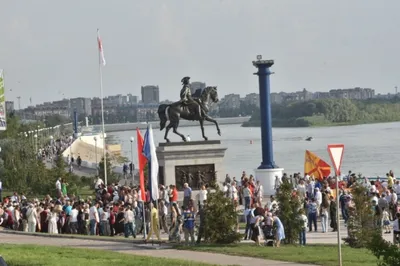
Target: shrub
220, 219
361, 224
289, 207
388, 253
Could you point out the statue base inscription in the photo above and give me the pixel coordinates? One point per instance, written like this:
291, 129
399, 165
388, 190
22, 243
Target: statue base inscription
196, 163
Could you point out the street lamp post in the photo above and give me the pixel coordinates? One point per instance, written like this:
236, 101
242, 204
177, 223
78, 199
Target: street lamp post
95, 152
70, 153
132, 165
51, 148
36, 143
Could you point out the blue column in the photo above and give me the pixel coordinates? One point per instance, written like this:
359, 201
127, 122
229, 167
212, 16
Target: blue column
265, 110
75, 123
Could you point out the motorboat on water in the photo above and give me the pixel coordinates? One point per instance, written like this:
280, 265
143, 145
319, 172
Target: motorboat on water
309, 139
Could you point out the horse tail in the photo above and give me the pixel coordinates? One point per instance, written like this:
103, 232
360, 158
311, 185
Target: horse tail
163, 115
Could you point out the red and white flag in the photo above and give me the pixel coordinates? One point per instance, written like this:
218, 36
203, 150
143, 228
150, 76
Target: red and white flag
101, 52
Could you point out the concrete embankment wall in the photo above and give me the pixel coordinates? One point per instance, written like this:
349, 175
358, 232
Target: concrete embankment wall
182, 123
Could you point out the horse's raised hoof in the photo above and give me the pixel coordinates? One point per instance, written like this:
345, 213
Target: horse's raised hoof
219, 133
184, 139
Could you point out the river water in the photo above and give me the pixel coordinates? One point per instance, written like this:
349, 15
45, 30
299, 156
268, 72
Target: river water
369, 149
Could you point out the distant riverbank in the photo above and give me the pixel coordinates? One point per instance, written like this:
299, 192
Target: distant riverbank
330, 112
311, 122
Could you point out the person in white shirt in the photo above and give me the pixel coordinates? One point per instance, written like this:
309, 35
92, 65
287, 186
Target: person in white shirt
202, 196
318, 197
396, 188
93, 218
259, 192
32, 217
98, 182
301, 190
129, 220
163, 214
234, 192
304, 225
396, 230
104, 223
74, 220
58, 188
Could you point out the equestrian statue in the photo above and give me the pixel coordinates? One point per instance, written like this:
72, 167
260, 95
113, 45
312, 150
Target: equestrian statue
190, 107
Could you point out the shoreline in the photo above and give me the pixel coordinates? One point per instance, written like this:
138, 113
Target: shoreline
247, 124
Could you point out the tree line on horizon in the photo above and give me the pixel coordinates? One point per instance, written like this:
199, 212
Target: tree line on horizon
324, 112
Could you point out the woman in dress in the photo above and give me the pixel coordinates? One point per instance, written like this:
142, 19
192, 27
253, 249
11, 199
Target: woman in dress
44, 219
119, 222
52, 221
280, 231
64, 187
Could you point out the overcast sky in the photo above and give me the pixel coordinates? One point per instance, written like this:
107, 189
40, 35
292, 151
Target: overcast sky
48, 47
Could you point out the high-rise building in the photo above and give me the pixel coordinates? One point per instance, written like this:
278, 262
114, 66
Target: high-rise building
81, 105
132, 99
195, 85
252, 99
150, 94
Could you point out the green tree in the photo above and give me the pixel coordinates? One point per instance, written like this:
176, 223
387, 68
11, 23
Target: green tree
112, 177
221, 219
362, 222
386, 252
55, 120
289, 207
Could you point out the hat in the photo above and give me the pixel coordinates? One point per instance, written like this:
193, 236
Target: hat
185, 79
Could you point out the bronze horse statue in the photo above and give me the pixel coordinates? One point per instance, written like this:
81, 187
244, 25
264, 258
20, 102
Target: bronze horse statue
195, 111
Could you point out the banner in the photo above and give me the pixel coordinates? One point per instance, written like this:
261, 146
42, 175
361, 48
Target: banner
3, 124
315, 166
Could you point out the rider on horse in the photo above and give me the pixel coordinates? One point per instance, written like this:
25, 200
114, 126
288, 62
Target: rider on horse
186, 95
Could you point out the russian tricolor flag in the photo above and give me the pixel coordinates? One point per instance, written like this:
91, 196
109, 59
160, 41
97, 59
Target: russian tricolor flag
149, 151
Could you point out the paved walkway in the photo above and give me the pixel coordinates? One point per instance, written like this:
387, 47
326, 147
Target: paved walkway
210, 258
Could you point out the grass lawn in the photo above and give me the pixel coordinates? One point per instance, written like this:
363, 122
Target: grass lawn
325, 255
83, 193
35, 255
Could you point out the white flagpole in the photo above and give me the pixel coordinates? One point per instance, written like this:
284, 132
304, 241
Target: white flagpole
102, 113
144, 220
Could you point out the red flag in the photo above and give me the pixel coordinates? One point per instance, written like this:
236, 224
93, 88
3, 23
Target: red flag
142, 163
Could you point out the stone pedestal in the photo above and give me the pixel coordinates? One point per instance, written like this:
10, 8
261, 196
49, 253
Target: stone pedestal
267, 179
195, 163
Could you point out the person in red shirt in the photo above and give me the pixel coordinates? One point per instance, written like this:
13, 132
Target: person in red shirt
112, 220
174, 198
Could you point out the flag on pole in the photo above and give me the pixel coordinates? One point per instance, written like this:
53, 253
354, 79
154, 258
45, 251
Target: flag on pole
149, 150
101, 52
315, 166
3, 119
142, 162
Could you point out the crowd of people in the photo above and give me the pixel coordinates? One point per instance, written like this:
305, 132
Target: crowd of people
54, 148
120, 210
114, 210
